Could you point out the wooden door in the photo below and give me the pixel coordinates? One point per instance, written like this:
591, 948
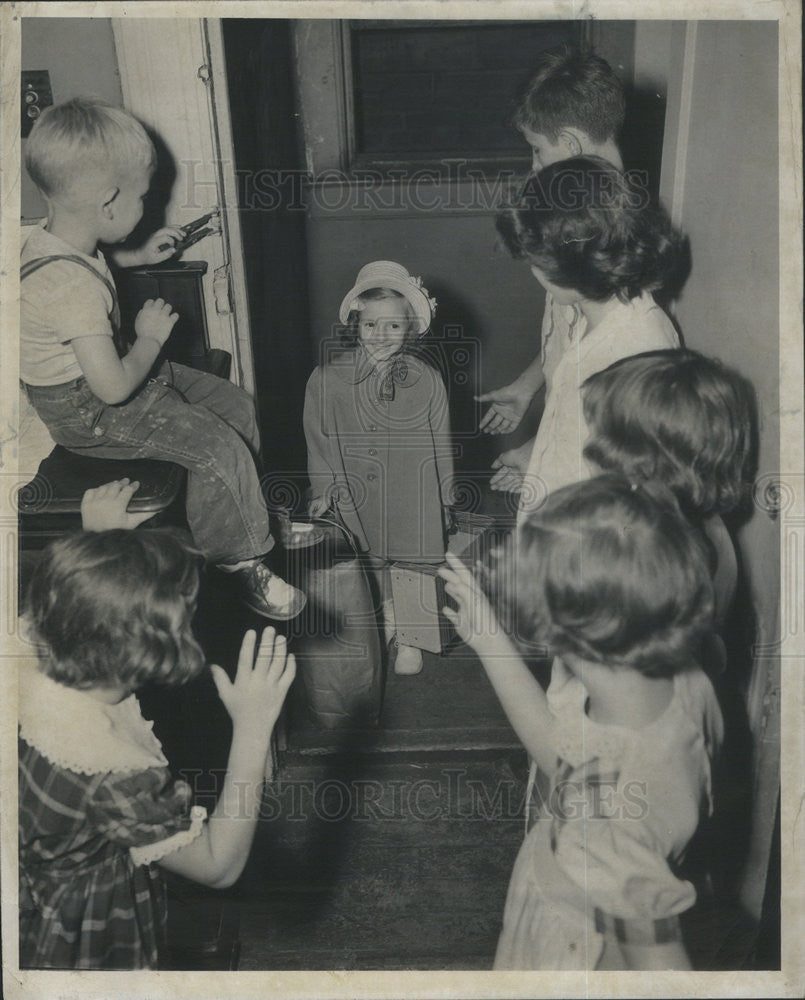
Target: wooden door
271, 180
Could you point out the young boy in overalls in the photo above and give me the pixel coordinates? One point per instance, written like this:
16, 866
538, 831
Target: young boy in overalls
101, 396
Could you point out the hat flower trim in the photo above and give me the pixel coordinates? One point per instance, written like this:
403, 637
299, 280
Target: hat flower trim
417, 283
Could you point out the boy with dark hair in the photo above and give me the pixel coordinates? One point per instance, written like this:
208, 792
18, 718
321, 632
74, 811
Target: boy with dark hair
573, 105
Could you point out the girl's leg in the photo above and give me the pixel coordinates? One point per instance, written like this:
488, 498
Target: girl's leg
408, 661
409, 658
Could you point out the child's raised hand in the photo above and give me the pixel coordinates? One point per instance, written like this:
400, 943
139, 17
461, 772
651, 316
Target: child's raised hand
155, 320
160, 245
255, 697
104, 508
474, 620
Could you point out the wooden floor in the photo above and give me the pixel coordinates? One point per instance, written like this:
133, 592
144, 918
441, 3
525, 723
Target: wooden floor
388, 861
379, 847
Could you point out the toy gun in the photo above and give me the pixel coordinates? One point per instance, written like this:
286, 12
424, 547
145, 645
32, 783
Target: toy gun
195, 231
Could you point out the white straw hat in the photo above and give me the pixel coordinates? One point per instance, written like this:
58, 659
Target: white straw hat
388, 274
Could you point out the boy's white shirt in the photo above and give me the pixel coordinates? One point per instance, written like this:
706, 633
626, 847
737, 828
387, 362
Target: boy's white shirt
59, 303
570, 356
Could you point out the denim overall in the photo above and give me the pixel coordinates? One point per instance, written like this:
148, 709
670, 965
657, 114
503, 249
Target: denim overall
196, 420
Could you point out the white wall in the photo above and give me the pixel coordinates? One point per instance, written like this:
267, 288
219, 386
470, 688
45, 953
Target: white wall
720, 179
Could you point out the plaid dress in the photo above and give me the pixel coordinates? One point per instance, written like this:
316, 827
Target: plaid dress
89, 897
599, 868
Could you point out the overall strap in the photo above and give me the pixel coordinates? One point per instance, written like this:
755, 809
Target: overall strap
29, 267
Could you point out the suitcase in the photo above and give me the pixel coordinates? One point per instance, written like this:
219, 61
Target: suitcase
418, 591
337, 640
418, 594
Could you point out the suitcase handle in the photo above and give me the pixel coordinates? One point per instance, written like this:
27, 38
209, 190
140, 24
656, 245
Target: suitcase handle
336, 521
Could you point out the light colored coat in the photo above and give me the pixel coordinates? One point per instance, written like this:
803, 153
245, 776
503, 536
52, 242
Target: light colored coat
379, 444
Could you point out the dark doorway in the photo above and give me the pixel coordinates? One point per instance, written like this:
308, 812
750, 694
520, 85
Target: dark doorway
269, 171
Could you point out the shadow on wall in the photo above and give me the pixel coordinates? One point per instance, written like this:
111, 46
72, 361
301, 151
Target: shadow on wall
159, 194
455, 346
641, 139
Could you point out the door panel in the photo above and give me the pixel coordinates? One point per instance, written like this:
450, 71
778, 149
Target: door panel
167, 81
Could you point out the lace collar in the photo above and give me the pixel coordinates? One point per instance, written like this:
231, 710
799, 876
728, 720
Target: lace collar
77, 732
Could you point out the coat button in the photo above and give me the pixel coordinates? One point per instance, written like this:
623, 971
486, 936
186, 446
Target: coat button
373, 451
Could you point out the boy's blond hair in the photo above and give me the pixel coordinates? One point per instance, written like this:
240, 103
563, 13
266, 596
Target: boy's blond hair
85, 138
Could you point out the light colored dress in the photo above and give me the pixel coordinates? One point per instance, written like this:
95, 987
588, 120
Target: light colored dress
599, 867
571, 354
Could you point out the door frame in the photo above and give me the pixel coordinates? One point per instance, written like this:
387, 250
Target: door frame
173, 77
763, 698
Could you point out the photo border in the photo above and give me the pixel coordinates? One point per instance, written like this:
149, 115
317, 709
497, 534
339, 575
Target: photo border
788, 982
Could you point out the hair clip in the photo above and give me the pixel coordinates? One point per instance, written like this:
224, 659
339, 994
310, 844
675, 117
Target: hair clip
585, 239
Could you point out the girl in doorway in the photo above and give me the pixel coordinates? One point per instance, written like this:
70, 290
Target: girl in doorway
611, 576
378, 431
98, 808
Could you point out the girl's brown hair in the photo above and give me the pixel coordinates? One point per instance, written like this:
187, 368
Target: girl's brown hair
589, 227
115, 607
613, 573
679, 418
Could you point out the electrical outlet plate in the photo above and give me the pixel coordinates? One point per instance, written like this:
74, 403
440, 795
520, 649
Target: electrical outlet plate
36, 96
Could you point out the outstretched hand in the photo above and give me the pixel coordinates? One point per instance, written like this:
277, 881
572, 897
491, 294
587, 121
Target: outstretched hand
509, 405
104, 507
255, 697
474, 619
510, 468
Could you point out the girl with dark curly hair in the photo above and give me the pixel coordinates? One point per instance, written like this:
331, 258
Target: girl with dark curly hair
593, 242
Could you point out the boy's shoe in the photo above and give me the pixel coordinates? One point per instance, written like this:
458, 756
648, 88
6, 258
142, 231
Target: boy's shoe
409, 660
267, 594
